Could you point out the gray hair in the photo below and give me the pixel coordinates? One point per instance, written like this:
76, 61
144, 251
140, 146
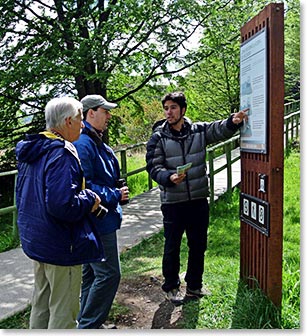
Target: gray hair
58, 109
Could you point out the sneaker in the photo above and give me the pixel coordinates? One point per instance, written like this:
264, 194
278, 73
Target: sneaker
175, 297
108, 326
197, 293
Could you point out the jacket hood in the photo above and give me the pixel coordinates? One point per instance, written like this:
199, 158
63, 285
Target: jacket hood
35, 145
157, 124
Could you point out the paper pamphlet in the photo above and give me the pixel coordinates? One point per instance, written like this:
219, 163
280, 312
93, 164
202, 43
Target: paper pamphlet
184, 168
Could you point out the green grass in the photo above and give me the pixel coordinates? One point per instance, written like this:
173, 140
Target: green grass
232, 305
137, 183
291, 243
18, 321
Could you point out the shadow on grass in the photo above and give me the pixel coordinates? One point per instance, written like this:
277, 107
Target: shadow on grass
187, 319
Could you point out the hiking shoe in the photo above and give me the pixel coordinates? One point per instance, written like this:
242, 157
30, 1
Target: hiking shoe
175, 297
108, 326
197, 293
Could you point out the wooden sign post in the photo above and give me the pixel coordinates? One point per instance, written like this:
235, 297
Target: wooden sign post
262, 151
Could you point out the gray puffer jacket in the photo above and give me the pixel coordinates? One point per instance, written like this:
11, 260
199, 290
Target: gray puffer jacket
167, 149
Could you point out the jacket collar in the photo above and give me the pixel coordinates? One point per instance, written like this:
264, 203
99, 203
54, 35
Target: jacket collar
91, 132
166, 130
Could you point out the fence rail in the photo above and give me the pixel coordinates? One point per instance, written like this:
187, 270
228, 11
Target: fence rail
227, 149
291, 132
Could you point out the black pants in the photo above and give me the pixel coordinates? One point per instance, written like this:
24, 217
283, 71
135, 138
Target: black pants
192, 218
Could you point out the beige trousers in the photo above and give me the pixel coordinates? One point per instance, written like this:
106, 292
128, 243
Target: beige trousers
55, 302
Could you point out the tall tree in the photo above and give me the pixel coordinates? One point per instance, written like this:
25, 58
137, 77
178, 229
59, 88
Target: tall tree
79, 47
212, 86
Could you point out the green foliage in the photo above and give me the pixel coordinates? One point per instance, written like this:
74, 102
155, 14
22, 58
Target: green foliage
64, 47
292, 50
122, 49
137, 114
212, 86
216, 233
7, 241
137, 183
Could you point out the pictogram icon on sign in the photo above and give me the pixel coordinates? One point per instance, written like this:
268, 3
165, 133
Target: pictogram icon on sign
255, 212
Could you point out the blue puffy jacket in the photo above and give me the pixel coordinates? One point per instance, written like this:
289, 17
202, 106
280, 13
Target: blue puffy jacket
101, 171
53, 208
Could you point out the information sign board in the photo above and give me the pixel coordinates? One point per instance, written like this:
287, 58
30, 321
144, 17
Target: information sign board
253, 92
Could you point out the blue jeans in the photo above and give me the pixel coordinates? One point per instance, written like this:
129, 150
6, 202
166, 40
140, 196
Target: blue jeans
100, 282
193, 219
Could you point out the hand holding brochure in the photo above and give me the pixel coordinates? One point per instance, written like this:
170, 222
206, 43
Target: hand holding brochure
184, 168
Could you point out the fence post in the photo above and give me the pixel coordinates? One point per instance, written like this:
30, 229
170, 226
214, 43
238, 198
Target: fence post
15, 227
296, 125
123, 162
228, 162
287, 133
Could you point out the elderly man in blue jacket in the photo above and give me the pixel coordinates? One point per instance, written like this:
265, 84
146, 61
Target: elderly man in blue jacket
54, 221
101, 169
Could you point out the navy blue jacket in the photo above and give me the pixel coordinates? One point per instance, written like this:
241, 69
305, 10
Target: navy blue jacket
101, 171
53, 208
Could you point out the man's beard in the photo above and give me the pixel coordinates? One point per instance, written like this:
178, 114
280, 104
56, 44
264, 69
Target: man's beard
177, 121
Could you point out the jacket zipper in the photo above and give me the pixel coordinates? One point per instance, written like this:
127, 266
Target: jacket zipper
184, 162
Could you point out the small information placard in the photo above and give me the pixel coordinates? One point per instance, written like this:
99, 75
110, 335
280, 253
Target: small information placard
183, 169
255, 212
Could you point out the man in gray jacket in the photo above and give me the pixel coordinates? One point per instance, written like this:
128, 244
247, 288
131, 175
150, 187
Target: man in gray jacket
175, 142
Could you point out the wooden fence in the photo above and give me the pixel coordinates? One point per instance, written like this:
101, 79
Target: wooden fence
291, 132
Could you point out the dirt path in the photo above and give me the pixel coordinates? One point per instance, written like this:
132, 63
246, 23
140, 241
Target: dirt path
148, 308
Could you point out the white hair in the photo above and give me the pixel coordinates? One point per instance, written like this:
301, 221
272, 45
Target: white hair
58, 109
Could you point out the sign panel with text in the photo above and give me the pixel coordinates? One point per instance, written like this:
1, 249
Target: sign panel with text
253, 92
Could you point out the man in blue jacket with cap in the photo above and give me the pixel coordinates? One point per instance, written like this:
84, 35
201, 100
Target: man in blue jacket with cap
100, 280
